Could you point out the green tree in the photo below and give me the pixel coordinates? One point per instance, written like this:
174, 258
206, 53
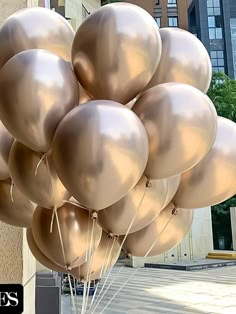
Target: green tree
223, 94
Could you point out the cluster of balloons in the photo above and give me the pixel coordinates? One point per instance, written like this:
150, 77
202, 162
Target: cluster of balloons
108, 138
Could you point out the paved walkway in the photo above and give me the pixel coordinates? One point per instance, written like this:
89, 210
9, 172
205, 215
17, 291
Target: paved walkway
159, 291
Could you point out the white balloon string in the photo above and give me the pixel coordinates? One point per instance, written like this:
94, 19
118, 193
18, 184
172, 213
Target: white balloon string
174, 212
105, 269
75, 204
92, 245
155, 242
39, 163
101, 273
11, 190
52, 219
121, 287
64, 257
83, 300
71, 293
147, 185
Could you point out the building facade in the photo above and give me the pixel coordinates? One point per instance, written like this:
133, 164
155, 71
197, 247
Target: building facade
214, 23
167, 13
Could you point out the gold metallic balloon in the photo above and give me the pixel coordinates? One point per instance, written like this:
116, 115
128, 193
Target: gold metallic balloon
142, 203
38, 181
6, 141
40, 257
15, 207
116, 51
104, 257
35, 28
181, 125
172, 187
100, 151
45, 89
213, 180
75, 225
166, 231
184, 59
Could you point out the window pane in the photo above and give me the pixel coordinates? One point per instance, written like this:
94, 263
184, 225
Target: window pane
220, 54
215, 69
214, 62
213, 54
173, 21
216, 3
221, 62
212, 33
158, 20
221, 69
211, 21
218, 21
210, 11
209, 3
216, 11
218, 33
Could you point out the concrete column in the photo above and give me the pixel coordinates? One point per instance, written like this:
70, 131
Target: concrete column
17, 265
233, 225
196, 244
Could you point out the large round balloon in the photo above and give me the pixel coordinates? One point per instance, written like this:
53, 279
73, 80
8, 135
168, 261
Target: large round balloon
166, 231
141, 203
21, 32
184, 59
40, 257
100, 151
104, 257
75, 226
15, 207
181, 125
45, 89
213, 180
116, 51
6, 141
172, 184
39, 182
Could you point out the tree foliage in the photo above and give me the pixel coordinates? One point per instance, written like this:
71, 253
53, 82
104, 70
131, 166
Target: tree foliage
223, 94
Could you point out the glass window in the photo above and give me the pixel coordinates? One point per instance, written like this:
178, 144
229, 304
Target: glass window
218, 33
220, 54
233, 40
215, 69
221, 69
216, 3
221, 62
172, 3
212, 34
157, 2
210, 11
211, 21
173, 21
214, 62
209, 3
213, 54
216, 11
218, 21
158, 20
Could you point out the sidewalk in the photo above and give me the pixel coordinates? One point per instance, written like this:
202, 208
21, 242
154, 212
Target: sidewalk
161, 291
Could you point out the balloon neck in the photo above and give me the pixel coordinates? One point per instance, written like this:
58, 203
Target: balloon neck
128, 256
94, 215
148, 183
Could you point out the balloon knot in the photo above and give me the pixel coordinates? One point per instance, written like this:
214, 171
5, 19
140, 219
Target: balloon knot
94, 215
148, 183
110, 235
